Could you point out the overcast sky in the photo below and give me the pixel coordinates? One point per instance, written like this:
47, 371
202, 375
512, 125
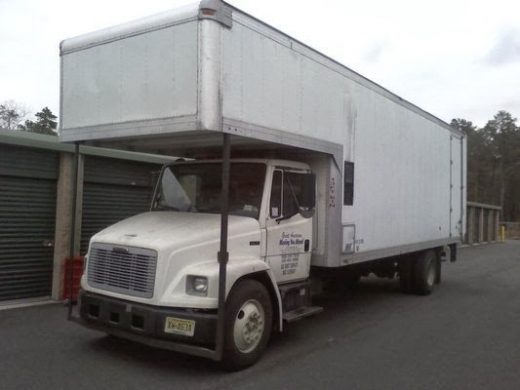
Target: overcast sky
453, 58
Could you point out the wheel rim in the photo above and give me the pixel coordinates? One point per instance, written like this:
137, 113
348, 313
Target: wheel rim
249, 326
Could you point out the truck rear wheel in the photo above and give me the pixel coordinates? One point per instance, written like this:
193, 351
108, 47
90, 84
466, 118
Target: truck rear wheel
406, 267
426, 272
249, 317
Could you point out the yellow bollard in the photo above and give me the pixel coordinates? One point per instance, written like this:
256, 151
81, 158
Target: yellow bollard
503, 233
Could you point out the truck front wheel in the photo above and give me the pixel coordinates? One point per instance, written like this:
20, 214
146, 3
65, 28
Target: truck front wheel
249, 317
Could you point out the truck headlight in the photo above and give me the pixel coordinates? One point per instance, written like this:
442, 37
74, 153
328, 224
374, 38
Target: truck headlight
197, 285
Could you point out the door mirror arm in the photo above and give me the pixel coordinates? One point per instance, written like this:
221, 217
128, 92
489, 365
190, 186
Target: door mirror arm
288, 216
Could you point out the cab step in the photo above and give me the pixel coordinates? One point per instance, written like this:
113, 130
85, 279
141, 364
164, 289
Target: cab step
298, 314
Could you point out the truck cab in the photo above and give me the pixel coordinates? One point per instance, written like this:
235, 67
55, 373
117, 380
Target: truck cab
155, 274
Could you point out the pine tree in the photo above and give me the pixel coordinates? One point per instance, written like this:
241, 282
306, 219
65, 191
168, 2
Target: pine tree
45, 124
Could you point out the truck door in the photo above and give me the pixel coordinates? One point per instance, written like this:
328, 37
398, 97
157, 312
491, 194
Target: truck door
456, 187
289, 224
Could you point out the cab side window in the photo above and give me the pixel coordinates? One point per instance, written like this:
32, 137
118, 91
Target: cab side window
292, 190
275, 203
292, 193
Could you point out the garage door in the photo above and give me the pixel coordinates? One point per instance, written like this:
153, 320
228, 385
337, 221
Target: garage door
27, 221
113, 190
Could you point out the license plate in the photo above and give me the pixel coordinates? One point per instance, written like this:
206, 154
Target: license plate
179, 326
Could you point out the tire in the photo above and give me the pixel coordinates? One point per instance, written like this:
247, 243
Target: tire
249, 317
406, 269
425, 272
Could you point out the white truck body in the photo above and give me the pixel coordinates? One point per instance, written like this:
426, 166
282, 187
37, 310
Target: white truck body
390, 177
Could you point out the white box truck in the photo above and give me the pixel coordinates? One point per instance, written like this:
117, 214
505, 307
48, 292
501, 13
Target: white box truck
296, 172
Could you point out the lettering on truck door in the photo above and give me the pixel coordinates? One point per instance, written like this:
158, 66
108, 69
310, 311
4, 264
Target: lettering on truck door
289, 233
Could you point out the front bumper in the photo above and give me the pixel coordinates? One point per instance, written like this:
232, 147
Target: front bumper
144, 323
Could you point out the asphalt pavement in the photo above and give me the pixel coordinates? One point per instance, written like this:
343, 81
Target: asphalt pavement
466, 335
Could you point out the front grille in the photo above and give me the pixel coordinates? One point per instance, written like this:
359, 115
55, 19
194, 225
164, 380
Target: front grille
127, 270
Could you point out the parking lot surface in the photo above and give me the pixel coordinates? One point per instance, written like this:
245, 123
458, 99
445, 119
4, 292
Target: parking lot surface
466, 335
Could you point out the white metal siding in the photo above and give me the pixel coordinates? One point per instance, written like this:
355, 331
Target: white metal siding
402, 176
267, 83
148, 76
402, 159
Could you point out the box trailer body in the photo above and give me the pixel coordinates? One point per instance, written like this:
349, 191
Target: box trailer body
389, 177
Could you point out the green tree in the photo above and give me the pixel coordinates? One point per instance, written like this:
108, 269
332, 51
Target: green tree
45, 124
494, 163
502, 136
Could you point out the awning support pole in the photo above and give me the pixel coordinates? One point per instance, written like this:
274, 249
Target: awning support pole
223, 255
72, 243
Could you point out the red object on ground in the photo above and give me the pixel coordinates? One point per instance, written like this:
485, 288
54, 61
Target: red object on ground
77, 270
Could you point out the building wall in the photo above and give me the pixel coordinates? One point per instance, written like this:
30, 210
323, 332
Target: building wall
36, 198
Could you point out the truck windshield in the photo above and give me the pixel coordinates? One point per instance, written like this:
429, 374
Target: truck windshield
196, 187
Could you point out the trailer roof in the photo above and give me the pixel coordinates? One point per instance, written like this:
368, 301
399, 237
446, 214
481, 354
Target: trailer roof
131, 28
